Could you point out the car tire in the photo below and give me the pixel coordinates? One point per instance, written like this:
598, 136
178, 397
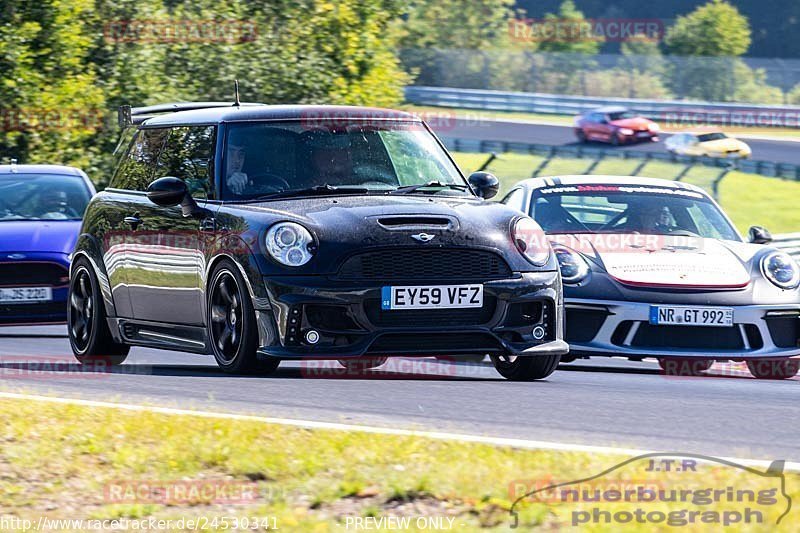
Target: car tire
615, 140
581, 135
87, 327
675, 366
773, 368
231, 323
359, 364
525, 368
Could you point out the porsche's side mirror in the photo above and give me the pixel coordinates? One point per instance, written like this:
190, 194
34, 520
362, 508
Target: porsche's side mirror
485, 184
759, 235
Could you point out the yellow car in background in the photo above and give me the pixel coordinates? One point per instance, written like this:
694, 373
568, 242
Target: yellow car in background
709, 144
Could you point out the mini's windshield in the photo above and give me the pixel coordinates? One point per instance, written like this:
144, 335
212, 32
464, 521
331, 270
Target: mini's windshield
629, 209
42, 197
711, 137
279, 158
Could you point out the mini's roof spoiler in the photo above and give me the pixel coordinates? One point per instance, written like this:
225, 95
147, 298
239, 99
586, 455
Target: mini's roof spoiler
127, 115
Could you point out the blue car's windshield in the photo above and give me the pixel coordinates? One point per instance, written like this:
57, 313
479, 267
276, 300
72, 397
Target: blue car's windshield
42, 197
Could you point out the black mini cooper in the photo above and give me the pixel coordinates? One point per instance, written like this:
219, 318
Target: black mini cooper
259, 233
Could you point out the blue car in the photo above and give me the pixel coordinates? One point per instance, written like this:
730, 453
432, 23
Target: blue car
41, 207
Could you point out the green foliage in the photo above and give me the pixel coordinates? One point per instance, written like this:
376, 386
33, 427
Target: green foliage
80, 55
714, 29
567, 12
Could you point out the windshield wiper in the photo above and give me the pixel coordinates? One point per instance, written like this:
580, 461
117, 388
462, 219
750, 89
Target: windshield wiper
438, 184
317, 190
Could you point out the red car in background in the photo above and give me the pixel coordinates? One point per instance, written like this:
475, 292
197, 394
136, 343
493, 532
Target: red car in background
615, 125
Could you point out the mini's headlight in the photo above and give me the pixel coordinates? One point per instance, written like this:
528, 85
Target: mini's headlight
289, 244
531, 241
573, 266
781, 270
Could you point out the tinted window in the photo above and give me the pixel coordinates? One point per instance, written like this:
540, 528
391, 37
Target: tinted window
711, 137
188, 155
621, 115
42, 197
379, 156
629, 209
138, 167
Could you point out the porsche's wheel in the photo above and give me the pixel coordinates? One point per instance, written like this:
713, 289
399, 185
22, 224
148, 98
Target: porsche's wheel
232, 331
517, 368
774, 368
359, 364
673, 366
89, 336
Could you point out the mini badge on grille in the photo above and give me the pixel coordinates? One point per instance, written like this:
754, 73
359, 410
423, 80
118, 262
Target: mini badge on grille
423, 237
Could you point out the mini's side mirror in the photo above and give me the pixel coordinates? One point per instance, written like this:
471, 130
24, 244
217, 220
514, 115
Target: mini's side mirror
167, 191
759, 235
485, 184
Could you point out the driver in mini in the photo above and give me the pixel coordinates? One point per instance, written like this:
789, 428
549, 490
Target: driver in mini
236, 180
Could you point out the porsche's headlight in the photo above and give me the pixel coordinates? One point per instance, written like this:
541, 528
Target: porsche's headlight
573, 266
781, 270
531, 241
289, 244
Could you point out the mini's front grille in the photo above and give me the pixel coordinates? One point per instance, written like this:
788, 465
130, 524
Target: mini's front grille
33, 273
435, 344
425, 264
430, 317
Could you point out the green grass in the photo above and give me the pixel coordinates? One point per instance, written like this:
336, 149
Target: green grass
748, 199
567, 120
58, 461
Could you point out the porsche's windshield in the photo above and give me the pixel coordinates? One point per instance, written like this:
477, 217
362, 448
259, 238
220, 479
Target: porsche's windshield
629, 209
362, 157
42, 197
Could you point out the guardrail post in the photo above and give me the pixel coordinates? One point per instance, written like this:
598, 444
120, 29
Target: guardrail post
718, 180
685, 171
640, 166
594, 165
542, 165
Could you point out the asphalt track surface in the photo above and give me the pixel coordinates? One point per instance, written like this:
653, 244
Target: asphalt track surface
763, 150
600, 402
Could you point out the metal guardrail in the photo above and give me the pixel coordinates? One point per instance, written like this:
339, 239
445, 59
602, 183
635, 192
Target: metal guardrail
764, 168
789, 243
680, 111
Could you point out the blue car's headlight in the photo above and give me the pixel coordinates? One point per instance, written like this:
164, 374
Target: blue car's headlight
781, 270
289, 244
574, 267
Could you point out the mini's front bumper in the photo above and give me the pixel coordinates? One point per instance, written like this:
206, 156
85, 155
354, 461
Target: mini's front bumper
622, 328
347, 320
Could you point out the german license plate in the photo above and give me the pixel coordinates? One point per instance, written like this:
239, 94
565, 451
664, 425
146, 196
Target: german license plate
662, 315
643, 134
431, 297
25, 294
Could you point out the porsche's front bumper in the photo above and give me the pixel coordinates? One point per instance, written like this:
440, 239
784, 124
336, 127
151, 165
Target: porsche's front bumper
350, 323
622, 328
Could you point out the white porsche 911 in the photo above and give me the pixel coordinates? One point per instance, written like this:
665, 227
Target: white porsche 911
654, 268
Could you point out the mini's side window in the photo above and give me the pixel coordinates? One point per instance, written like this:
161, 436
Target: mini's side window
188, 155
136, 170
516, 199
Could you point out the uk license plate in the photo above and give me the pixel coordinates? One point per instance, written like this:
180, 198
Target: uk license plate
663, 315
25, 294
431, 297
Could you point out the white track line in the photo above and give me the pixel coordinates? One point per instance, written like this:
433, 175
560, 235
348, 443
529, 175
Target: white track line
438, 435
